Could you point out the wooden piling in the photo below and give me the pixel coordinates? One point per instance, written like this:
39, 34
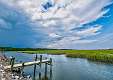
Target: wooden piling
51, 73
34, 72
35, 63
40, 67
40, 60
51, 69
10, 60
35, 68
12, 63
45, 70
51, 61
22, 68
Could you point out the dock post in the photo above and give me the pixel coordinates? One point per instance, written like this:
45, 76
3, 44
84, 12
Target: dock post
46, 70
34, 72
10, 60
22, 68
12, 63
40, 67
40, 60
51, 61
51, 69
35, 68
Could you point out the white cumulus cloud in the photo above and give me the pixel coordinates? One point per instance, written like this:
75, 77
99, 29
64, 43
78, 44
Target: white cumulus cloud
60, 18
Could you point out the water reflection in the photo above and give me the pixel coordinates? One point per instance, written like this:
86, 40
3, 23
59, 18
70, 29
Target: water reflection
47, 66
45, 76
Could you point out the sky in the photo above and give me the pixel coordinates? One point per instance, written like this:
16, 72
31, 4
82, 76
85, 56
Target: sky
59, 24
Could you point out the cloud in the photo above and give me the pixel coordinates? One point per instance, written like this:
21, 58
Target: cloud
53, 35
73, 11
104, 42
58, 21
72, 42
15, 28
90, 31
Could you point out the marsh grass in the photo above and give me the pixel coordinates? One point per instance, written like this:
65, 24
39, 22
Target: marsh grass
95, 55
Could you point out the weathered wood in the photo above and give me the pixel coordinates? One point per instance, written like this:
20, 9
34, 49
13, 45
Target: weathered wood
51, 69
12, 63
40, 60
27, 64
35, 68
46, 70
51, 72
22, 68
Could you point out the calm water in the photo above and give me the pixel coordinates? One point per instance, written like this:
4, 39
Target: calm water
69, 68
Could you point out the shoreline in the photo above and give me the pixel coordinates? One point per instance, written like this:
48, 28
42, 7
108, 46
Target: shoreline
7, 74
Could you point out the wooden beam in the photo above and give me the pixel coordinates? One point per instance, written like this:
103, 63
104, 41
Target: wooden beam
26, 64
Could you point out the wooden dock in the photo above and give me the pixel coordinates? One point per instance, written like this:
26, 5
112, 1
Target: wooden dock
27, 64
18, 67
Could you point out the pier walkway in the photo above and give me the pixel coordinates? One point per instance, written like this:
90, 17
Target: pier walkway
27, 64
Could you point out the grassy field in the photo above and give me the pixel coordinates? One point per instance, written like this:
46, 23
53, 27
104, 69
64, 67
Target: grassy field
95, 55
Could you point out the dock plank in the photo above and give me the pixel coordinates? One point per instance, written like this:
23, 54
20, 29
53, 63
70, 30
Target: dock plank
26, 64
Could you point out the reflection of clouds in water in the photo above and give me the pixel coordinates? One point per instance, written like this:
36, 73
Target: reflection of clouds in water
58, 58
20, 56
100, 70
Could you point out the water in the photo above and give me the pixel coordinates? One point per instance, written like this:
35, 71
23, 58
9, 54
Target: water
69, 68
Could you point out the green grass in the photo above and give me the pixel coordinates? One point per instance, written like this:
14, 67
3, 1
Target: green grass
95, 55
